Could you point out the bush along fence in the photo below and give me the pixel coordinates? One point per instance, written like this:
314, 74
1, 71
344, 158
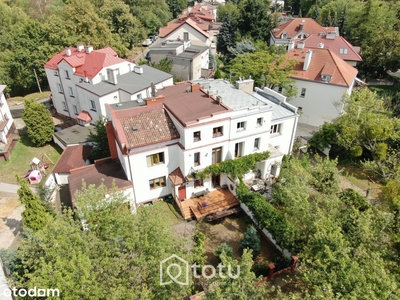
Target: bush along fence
271, 222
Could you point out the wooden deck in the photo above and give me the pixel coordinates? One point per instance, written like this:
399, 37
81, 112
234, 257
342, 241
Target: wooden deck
210, 203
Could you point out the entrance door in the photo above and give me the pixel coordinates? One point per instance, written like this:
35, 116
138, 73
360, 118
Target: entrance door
215, 181
182, 192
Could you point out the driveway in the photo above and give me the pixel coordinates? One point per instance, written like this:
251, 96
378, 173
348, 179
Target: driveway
10, 220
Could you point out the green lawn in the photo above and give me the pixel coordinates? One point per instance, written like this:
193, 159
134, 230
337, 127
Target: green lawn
22, 156
384, 90
169, 211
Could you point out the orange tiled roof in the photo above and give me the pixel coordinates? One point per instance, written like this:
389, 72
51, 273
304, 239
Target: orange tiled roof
87, 65
323, 61
72, 157
146, 125
335, 45
84, 116
200, 10
292, 28
173, 25
176, 176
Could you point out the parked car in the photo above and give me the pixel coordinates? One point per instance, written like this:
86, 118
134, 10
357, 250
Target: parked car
153, 38
147, 42
58, 128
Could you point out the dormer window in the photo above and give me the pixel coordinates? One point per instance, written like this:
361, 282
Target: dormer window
326, 78
284, 35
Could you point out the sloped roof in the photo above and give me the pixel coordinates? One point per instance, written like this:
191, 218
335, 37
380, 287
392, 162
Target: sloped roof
322, 59
71, 158
200, 10
173, 25
335, 45
292, 28
105, 170
145, 125
176, 176
84, 116
86, 64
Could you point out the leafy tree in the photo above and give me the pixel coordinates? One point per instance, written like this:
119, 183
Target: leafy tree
38, 121
366, 124
229, 11
163, 65
266, 68
255, 19
251, 241
324, 137
243, 287
101, 148
243, 46
217, 74
176, 7
34, 216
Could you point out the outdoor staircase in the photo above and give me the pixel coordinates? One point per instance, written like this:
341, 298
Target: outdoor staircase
187, 213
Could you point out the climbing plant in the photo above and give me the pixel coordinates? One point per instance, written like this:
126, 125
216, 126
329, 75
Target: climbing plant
236, 168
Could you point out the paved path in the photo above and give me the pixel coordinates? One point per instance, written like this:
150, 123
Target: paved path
12, 188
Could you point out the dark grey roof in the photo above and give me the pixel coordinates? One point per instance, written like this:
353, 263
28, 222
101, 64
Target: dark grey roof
130, 82
280, 109
128, 104
191, 52
74, 135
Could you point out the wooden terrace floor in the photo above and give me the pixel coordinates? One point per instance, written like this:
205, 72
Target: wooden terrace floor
199, 208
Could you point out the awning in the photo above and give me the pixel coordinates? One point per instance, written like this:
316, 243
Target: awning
84, 116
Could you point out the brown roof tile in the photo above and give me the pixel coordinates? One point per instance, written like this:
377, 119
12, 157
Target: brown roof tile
173, 25
176, 176
322, 59
106, 169
72, 157
292, 28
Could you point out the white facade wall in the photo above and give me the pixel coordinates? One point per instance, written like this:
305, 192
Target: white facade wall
283, 140
195, 37
5, 114
321, 102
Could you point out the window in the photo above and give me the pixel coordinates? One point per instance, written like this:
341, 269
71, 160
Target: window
197, 158
55, 73
196, 136
198, 183
217, 131
155, 159
216, 155
343, 51
257, 144
241, 126
75, 109
259, 122
59, 88
239, 149
276, 128
92, 105
186, 36
71, 91
67, 74
280, 89
139, 96
157, 183
65, 106
303, 92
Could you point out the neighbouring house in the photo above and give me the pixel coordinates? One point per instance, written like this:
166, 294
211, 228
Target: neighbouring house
295, 30
337, 44
72, 157
322, 78
190, 62
83, 80
206, 12
8, 132
186, 127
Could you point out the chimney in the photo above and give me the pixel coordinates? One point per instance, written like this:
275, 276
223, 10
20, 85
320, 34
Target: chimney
330, 35
111, 140
89, 48
112, 76
155, 100
79, 47
68, 51
219, 99
195, 87
290, 45
138, 70
320, 45
307, 60
246, 85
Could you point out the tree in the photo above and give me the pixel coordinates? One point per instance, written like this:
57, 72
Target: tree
229, 11
367, 125
224, 248
34, 216
163, 65
227, 35
101, 148
251, 241
254, 19
267, 68
38, 121
176, 7
119, 255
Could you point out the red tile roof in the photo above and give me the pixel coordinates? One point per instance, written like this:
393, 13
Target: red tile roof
335, 45
144, 125
292, 28
189, 108
72, 157
87, 65
176, 176
84, 116
105, 170
201, 11
323, 60
173, 25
